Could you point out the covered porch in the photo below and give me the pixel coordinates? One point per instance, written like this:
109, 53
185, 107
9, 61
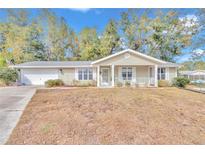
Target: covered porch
123, 75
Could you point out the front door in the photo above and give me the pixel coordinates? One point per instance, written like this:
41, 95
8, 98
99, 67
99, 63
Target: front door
105, 77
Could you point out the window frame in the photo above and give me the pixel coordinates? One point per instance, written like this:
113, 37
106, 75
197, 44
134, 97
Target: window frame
85, 74
127, 73
161, 73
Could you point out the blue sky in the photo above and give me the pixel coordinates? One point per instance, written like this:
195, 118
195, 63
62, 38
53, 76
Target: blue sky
79, 18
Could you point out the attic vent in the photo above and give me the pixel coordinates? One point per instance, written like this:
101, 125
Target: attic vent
127, 55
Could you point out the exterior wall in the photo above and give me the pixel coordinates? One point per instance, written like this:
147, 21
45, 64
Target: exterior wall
67, 75
70, 77
172, 73
140, 75
127, 59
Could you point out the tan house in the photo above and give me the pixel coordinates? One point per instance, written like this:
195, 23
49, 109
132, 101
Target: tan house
124, 67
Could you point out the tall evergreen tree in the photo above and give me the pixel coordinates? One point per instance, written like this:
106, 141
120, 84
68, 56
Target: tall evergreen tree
110, 40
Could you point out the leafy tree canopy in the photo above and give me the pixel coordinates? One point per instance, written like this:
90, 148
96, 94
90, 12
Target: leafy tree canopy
48, 36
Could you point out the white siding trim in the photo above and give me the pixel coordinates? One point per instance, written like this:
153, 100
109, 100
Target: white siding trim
167, 73
94, 74
76, 73
134, 74
120, 74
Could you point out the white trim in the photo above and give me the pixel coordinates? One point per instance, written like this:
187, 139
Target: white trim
167, 73
76, 73
94, 74
98, 76
113, 75
175, 72
120, 73
156, 75
108, 83
131, 51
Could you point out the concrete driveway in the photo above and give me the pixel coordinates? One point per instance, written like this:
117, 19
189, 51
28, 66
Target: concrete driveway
13, 100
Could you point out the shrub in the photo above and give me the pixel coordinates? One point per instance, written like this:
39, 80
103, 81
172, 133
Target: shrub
54, 83
127, 83
119, 84
163, 83
88, 83
181, 82
8, 75
2, 83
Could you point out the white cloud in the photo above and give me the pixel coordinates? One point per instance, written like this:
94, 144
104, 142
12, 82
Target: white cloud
190, 20
198, 52
83, 10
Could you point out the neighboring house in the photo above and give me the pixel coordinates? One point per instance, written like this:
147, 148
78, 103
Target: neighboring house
193, 75
119, 68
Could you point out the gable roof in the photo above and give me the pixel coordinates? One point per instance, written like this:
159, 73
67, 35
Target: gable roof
53, 64
71, 64
130, 51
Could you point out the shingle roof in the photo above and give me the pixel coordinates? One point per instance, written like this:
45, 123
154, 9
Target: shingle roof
63, 64
53, 64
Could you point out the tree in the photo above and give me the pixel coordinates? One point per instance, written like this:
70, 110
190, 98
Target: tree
89, 44
193, 65
162, 36
73, 45
135, 29
2, 61
110, 40
170, 35
56, 35
18, 35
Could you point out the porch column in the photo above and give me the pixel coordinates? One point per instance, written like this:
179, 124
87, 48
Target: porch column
113, 75
98, 76
155, 75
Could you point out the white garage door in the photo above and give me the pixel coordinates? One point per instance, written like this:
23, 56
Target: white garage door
37, 76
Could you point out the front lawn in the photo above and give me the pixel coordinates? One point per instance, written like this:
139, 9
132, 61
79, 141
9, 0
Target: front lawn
112, 116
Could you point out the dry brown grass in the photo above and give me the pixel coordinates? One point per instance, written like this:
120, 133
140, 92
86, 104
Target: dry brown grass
112, 116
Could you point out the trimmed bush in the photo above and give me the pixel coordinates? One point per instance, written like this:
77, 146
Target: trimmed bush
8, 75
127, 83
181, 82
54, 83
163, 83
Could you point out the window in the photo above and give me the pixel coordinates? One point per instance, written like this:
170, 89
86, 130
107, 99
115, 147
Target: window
80, 74
161, 74
90, 74
127, 73
85, 74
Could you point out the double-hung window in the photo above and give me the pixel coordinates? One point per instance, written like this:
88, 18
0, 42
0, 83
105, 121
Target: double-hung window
161, 73
85, 74
127, 73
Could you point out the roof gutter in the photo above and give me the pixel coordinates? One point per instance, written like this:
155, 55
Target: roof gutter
21, 67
